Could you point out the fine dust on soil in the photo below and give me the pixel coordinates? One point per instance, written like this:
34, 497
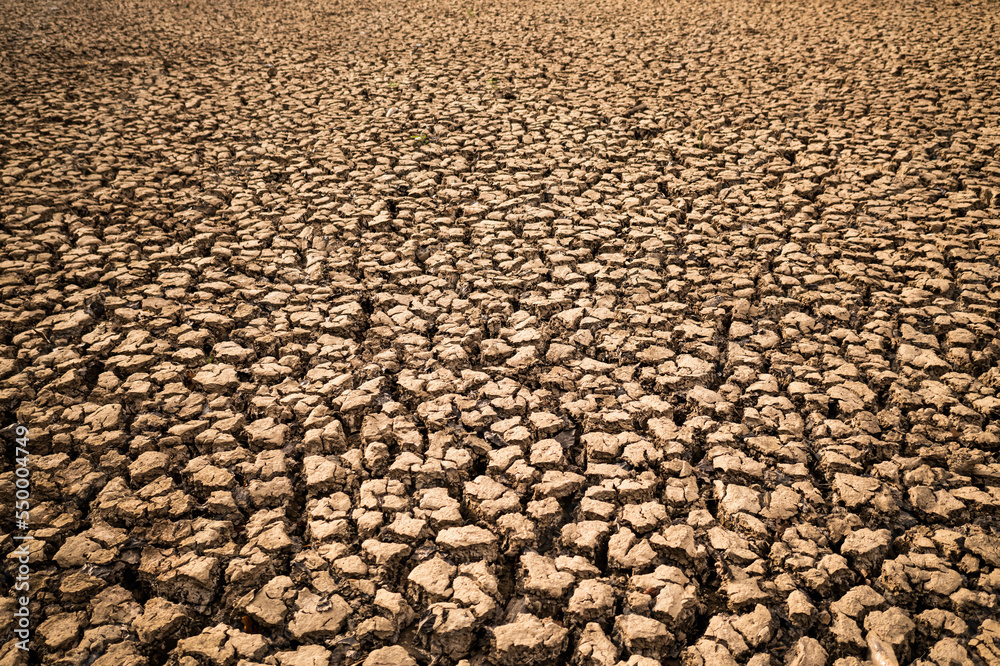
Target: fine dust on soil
496, 333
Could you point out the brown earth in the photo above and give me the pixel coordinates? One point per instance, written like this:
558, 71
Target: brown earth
604, 333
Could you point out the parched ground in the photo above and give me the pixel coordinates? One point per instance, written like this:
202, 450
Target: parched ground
502, 333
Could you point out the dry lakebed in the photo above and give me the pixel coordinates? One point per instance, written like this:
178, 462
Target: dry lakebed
481, 333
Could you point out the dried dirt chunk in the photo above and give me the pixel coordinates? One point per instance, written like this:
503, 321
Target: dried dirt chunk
390, 656
591, 600
160, 619
855, 491
866, 548
529, 640
468, 543
640, 634
318, 617
431, 580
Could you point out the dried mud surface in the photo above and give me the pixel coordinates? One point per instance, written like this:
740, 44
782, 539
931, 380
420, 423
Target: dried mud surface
477, 333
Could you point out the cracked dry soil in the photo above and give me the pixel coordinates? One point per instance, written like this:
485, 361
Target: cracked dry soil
480, 333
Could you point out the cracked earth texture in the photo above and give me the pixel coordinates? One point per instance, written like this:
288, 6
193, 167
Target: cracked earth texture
604, 333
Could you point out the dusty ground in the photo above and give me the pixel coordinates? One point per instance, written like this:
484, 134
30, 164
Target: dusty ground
518, 333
